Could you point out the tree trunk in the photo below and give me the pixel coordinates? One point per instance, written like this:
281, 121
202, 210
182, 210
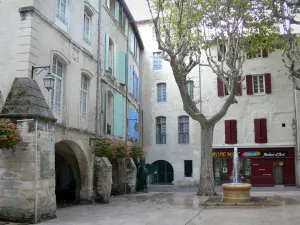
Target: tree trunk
206, 185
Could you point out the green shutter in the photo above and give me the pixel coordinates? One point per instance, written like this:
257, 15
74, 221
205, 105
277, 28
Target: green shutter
126, 27
106, 52
106, 108
118, 115
115, 60
117, 8
108, 3
122, 69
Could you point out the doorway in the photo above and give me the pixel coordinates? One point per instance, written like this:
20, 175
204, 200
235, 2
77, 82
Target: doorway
163, 172
278, 173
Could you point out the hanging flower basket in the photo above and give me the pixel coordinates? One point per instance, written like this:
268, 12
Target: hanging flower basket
9, 134
111, 149
137, 151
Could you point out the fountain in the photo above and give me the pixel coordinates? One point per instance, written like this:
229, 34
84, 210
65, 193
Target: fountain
235, 191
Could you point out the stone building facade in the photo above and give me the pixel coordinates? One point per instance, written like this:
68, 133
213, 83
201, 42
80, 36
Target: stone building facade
62, 36
172, 139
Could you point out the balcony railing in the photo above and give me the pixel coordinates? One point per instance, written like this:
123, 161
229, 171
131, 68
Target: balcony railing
62, 16
57, 110
83, 121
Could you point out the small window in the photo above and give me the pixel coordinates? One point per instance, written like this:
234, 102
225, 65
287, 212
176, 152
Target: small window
162, 92
183, 130
157, 61
226, 91
190, 87
161, 130
87, 28
258, 84
188, 168
61, 10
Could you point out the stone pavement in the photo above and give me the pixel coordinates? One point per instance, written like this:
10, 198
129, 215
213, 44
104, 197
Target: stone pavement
180, 209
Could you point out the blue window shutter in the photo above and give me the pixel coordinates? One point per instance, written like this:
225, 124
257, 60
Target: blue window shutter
118, 115
115, 60
134, 83
132, 42
138, 89
122, 68
106, 51
131, 80
117, 8
131, 123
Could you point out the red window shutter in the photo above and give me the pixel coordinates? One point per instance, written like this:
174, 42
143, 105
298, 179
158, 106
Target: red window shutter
257, 130
249, 85
239, 87
227, 132
233, 125
220, 87
264, 131
268, 85
265, 53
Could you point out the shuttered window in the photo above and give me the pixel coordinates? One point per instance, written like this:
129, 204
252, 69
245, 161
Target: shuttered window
161, 130
259, 84
123, 67
190, 87
230, 132
183, 130
223, 90
118, 115
157, 61
161, 92
260, 131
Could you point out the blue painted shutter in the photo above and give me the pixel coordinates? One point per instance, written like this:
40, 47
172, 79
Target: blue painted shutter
106, 52
131, 80
122, 64
138, 89
131, 123
118, 115
115, 60
137, 132
136, 117
117, 8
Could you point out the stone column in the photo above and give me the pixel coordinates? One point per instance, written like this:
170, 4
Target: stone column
131, 176
102, 180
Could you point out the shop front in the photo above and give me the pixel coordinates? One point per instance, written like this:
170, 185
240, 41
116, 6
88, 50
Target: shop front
259, 166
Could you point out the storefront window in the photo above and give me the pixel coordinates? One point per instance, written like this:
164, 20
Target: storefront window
221, 171
247, 171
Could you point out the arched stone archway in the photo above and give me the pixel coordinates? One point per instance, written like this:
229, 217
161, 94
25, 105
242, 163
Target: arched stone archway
164, 172
71, 168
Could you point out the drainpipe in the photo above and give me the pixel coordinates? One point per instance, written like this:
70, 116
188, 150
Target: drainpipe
98, 122
295, 125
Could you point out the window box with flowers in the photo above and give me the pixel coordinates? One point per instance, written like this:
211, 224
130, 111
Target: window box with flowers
111, 149
137, 151
10, 136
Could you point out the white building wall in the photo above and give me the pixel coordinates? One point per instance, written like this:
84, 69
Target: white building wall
277, 107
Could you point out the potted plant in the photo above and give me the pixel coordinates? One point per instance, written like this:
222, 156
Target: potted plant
110, 149
137, 151
10, 136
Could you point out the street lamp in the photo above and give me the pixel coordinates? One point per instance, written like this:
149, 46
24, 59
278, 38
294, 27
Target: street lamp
48, 78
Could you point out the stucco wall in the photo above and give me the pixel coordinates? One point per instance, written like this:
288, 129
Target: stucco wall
277, 107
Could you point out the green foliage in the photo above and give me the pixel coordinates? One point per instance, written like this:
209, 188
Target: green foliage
111, 149
9, 134
137, 151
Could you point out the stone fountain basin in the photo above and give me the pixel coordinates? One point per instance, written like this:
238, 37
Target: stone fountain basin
236, 192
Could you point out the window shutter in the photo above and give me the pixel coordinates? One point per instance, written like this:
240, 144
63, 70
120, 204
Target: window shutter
239, 87
257, 130
122, 67
131, 123
264, 131
136, 133
131, 79
138, 89
133, 83
115, 60
249, 85
265, 53
118, 115
227, 132
106, 52
117, 8
220, 87
233, 129
126, 27
268, 86
132, 42
106, 109
108, 3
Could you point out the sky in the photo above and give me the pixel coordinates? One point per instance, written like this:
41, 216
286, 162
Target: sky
139, 9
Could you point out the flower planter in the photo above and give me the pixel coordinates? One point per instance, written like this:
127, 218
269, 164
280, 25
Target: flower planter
9, 134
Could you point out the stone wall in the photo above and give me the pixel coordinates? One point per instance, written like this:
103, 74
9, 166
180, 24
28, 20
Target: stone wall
102, 180
19, 171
